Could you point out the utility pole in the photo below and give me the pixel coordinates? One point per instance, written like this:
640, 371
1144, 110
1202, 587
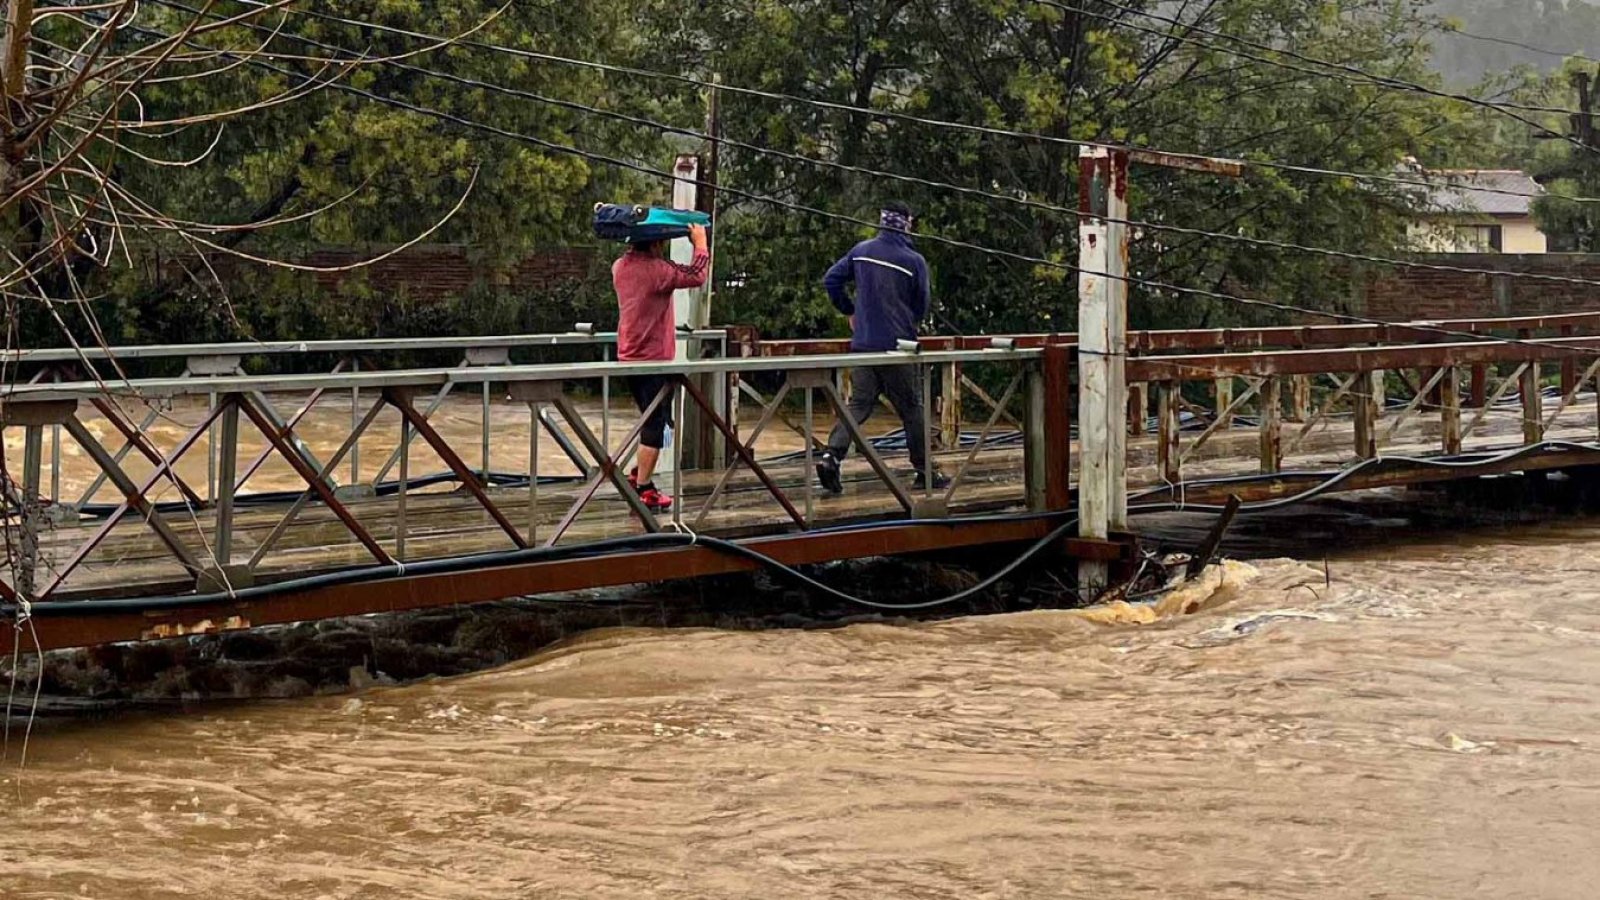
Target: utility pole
1583, 120
694, 187
1102, 349
1103, 336
1583, 129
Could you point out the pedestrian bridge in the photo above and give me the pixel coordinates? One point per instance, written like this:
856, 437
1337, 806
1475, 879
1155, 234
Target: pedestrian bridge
153, 492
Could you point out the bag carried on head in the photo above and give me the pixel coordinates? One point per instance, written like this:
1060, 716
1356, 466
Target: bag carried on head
642, 224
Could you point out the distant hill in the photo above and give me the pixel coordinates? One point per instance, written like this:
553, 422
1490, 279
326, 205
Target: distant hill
1566, 26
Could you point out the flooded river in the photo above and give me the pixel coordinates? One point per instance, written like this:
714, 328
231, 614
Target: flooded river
1427, 726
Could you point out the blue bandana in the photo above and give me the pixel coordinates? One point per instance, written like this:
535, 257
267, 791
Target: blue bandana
894, 221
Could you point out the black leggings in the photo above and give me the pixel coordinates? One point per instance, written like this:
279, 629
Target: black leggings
644, 389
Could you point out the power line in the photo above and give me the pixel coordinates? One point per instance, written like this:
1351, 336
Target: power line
1039, 205
796, 207
1518, 44
1509, 110
968, 127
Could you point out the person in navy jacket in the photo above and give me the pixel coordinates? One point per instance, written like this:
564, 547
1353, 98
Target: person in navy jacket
891, 299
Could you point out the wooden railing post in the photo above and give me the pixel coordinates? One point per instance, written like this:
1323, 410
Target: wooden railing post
1569, 366
1223, 388
1450, 410
1367, 403
1480, 385
1167, 451
1532, 404
1300, 398
1271, 424
1138, 407
950, 407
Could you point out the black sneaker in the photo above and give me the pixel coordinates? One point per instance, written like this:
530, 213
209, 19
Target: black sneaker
828, 474
940, 480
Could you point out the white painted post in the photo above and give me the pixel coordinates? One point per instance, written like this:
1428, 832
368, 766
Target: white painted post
1102, 349
686, 305
685, 193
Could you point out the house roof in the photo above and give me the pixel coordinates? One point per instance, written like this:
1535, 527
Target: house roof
1476, 191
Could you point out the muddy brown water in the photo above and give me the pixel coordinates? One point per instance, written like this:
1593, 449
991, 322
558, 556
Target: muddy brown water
1427, 726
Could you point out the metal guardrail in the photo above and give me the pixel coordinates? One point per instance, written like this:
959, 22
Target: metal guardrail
238, 404
361, 345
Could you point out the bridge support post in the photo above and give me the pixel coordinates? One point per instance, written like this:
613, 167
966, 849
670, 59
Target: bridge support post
1047, 431
1532, 404
223, 548
1300, 386
1271, 424
950, 406
1102, 352
1138, 409
1450, 410
1223, 387
32, 515
33, 417
698, 444
1167, 450
1368, 393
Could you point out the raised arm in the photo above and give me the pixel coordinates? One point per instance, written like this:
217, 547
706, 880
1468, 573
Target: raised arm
680, 277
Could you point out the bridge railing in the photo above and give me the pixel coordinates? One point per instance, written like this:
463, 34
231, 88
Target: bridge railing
162, 531
1338, 405
211, 360
164, 526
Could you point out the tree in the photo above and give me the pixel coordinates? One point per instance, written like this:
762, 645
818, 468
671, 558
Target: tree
1570, 168
328, 153
1081, 70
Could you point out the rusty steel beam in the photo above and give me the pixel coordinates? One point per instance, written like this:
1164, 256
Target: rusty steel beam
1223, 339
490, 584
825, 346
135, 438
1354, 359
1209, 165
742, 451
469, 479
167, 465
606, 465
309, 475
287, 430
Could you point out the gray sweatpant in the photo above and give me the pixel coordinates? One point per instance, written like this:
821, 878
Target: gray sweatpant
903, 385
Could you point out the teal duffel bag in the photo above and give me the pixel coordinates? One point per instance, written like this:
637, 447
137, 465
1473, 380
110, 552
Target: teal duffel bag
642, 224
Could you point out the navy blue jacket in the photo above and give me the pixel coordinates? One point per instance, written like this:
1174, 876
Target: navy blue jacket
891, 297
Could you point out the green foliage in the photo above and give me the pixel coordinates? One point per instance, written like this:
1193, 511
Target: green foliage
1015, 64
1034, 67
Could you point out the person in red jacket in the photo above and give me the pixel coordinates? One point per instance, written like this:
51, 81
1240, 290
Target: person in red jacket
645, 279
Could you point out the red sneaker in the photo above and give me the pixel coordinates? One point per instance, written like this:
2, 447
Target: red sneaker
654, 499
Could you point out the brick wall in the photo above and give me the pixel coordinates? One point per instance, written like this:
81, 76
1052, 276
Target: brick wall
1428, 294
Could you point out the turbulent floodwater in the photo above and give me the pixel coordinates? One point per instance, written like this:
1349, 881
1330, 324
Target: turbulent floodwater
1426, 727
